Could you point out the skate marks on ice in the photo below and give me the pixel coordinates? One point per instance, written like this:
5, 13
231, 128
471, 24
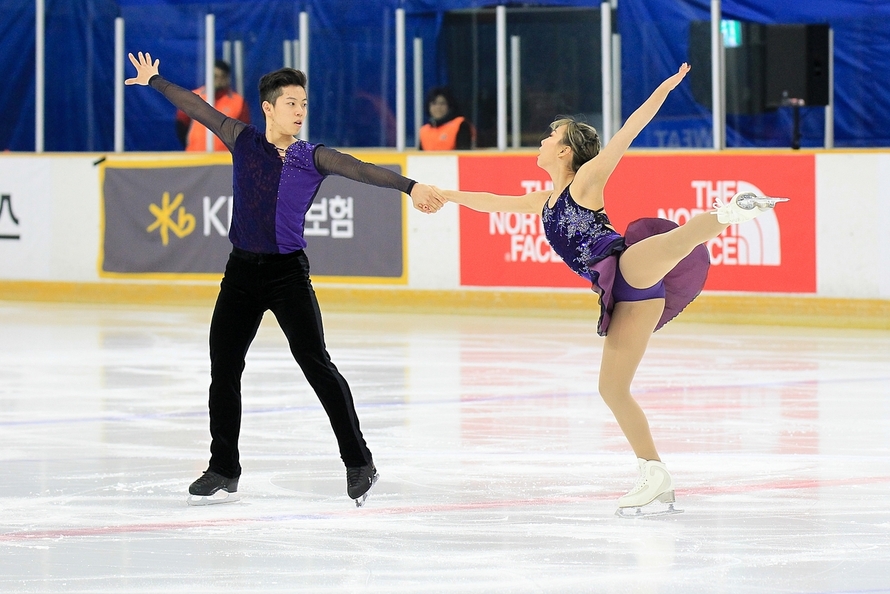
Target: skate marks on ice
501, 473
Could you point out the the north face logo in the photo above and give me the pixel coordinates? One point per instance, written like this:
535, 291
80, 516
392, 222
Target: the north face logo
753, 243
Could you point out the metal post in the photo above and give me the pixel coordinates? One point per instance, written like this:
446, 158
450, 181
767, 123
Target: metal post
501, 20
718, 81
238, 66
227, 51
616, 70
209, 59
39, 74
304, 66
287, 53
295, 50
419, 107
515, 84
606, 70
829, 109
119, 85
400, 79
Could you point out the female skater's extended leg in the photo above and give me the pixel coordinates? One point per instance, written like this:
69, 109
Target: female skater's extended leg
629, 331
648, 261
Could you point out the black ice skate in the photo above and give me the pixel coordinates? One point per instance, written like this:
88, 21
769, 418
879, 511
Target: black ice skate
359, 480
213, 488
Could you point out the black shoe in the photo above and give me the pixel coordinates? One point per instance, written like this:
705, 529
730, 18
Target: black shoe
359, 480
202, 490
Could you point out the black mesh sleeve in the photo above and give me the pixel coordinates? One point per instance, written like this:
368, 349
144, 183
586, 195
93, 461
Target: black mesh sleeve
226, 128
331, 162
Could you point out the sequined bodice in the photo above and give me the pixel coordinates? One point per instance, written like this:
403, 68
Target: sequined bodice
579, 235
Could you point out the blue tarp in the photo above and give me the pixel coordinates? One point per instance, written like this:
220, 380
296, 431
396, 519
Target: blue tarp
352, 66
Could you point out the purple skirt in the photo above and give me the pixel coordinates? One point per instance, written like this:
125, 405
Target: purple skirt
682, 284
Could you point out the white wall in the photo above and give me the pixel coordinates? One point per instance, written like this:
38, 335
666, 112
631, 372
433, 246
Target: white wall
852, 217
433, 261
56, 202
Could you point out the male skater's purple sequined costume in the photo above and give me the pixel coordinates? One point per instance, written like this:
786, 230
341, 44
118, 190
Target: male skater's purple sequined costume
586, 241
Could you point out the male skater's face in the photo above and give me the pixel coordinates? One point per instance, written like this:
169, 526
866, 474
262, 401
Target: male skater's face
286, 116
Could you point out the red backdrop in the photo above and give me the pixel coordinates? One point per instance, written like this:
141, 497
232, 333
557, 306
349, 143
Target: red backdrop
774, 253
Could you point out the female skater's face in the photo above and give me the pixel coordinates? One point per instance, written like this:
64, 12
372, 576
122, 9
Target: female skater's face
286, 116
551, 146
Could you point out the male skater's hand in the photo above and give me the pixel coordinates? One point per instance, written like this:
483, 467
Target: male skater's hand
425, 199
145, 69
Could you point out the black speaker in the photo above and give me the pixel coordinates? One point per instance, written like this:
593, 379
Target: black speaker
744, 67
796, 58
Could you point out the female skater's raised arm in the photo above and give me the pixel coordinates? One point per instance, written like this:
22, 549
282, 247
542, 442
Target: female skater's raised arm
591, 177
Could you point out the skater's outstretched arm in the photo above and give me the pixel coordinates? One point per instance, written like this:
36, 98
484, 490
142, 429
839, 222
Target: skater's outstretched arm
332, 162
226, 128
591, 178
487, 202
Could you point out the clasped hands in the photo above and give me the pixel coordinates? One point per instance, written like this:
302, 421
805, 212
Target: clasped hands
427, 199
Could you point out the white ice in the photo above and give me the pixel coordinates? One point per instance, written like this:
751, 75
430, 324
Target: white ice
500, 466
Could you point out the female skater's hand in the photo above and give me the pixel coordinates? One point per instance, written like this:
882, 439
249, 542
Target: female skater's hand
681, 74
145, 69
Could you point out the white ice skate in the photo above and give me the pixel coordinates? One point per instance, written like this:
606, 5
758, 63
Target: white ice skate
654, 487
744, 206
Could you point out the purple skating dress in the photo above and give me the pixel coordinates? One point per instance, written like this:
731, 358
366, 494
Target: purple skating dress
588, 244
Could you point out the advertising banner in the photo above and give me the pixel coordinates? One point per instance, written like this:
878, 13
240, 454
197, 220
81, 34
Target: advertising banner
774, 253
26, 220
164, 218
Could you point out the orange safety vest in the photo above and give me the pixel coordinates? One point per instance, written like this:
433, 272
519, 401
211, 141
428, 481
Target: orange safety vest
231, 104
440, 138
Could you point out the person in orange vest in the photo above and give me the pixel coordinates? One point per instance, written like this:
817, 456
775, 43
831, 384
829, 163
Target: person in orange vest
193, 135
446, 130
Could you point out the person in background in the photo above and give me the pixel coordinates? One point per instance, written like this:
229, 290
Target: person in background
446, 129
193, 135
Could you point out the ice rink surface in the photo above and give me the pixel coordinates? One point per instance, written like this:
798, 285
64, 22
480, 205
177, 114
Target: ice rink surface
500, 466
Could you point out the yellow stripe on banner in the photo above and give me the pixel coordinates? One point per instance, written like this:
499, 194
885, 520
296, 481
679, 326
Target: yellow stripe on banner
139, 160
773, 310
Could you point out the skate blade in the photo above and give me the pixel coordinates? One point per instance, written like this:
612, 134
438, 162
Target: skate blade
768, 201
217, 498
663, 505
360, 501
648, 511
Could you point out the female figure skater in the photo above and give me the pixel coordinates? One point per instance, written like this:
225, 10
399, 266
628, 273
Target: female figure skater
643, 279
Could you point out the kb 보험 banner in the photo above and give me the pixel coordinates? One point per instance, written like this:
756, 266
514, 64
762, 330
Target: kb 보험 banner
163, 219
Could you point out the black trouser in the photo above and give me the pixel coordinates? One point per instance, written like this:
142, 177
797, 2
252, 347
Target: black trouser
254, 283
